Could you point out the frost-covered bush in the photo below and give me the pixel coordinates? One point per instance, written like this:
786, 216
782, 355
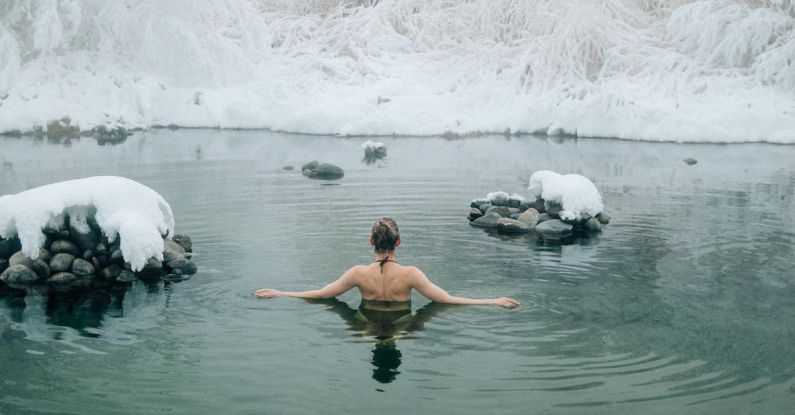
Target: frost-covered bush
576, 194
121, 208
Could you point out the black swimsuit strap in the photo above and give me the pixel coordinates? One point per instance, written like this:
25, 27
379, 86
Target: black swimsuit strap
384, 261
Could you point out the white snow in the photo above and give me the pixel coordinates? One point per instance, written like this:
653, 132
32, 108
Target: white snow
500, 195
674, 70
120, 206
577, 194
372, 145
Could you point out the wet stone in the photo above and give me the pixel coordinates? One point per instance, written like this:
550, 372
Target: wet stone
530, 217
64, 246
116, 256
184, 241
172, 250
503, 211
19, 276
690, 161
61, 262
41, 268
554, 227
125, 276
474, 213
324, 171
507, 225
19, 258
484, 207
488, 220
110, 272
62, 281
81, 267
553, 208
477, 202
183, 265
592, 225
603, 218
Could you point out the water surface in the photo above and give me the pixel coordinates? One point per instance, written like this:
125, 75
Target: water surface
684, 304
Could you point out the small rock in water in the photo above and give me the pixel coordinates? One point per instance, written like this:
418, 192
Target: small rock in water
552, 208
603, 218
530, 217
511, 226
308, 167
81, 267
476, 203
554, 227
125, 276
488, 220
690, 161
323, 171
61, 262
288, 168
184, 241
64, 246
183, 265
503, 211
593, 225
19, 276
484, 207
474, 213
172, 250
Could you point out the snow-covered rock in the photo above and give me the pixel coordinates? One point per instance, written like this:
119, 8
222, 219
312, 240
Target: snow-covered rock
576, 194
121, 207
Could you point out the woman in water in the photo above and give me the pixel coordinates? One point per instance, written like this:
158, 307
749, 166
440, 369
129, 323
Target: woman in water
386, 285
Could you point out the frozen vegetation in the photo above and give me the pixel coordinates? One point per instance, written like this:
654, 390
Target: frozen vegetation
120, 207
577, 196
717, 71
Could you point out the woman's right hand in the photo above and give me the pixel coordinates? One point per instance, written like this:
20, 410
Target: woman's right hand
506, 302
267, 293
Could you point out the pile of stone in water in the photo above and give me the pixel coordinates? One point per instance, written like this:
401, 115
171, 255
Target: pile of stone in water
73, 261
512, 214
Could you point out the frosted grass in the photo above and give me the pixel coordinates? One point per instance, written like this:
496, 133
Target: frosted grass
714, 71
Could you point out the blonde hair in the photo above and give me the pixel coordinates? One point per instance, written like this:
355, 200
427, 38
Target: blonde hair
385, 235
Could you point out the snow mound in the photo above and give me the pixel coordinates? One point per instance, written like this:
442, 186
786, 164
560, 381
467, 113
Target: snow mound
576, 194
120, 206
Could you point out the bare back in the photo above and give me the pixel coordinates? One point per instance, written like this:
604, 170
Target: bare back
394, 283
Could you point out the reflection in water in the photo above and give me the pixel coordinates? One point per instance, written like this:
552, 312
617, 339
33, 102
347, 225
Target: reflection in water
385, 322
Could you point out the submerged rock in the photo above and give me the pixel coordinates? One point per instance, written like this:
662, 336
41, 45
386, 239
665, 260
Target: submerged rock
690, 161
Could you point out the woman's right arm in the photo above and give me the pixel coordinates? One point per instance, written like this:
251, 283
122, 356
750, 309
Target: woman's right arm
433, 292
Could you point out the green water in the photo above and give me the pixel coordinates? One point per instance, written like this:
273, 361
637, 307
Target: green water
684, 304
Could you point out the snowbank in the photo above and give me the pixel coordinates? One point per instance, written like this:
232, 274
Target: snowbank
121, 207
576, 194
675, 70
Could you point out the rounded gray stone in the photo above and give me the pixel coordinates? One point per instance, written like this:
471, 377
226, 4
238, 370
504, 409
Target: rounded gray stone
507, 225
484, 207
593, 225
81, 267
126, 276
477, 202
172, 250
603, 218
488, 220
530, 217
19, 258
311, 166
326, 171
503, 211
41, 268
554, 227
553, 208
183, 265
110, 272
184, 241
19, 276
117, 256
65, 281
64, 246
474, 213
61, 262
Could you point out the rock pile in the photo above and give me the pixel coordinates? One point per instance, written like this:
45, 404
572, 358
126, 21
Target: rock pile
63, 131
323, 171
73, 261
512, 214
